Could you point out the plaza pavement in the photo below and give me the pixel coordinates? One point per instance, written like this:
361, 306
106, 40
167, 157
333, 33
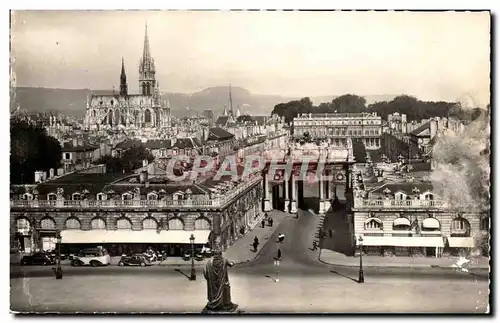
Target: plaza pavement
253, 294
335, 258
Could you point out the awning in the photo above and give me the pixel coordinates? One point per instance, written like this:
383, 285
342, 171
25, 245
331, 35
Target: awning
373, 219
402, 241
402, 221
461, 242
130, 236
431, 223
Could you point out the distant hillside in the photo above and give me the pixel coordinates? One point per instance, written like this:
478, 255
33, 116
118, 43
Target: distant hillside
72, 102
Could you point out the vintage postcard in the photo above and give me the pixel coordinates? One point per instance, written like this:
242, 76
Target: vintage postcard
218, 162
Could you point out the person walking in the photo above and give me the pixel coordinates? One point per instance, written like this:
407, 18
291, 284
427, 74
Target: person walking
255, 243
263, 223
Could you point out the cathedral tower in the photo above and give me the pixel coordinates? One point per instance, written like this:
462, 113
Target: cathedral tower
123, 81
147, 69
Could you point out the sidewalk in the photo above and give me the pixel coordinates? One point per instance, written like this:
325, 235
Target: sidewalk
242, 251
335, 258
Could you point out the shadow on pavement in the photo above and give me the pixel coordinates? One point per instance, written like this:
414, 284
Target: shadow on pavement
336, 272
182, 273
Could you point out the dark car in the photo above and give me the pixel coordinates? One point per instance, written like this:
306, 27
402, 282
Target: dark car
37, 259
135, 260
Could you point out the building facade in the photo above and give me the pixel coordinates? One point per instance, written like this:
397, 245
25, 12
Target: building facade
144, 110
336, 127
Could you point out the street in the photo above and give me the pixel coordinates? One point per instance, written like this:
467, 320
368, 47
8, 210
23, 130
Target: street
305, 284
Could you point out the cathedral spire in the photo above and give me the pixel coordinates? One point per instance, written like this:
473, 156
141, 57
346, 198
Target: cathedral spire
123, 80
146, 54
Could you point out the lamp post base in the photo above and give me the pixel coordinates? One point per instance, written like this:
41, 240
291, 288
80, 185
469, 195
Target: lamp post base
58, 272
361, 278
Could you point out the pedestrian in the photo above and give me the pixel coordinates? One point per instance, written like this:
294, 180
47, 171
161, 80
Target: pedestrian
281, 237
279, 255
315, 245
270, 221
255, 244
263, 223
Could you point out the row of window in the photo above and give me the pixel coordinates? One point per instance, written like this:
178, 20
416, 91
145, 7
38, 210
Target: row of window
149, 223
429, 224
100, 196
314, 122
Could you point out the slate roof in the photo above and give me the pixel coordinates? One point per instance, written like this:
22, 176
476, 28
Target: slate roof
129, 143
420, 129
222, 121
359, 151
407, 188
68, 147
219, 134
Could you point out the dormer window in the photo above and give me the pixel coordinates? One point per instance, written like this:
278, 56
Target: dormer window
428, 196
76, 197
127, 196
400, 196
102, 196
51, 197
27, 196
152, 196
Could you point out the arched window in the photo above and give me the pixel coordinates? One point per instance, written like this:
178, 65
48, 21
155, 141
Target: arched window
485, 224
152, 196
101, 196
373, 224
428, 196
23, 226
97, 224
48, 223
51, 197
460, 227
400, 196
117, 117
72, 224
93, 113
123, 224
27, 196
149, 224
127, 196
431, 225
202, 224
76, 196
147, 116
110, 117
175, 224
401, 224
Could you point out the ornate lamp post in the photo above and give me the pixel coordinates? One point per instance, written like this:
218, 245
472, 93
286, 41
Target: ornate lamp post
193, 272
361, 278
59, 273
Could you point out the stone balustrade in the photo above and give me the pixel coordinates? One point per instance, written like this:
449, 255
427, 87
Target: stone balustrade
398, 204
215, 202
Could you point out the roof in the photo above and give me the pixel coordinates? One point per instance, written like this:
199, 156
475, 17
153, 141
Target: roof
68, 147
208, 113
157, 144
407, 188
189, 142
219, 134
129, 143
420, 131
222, 121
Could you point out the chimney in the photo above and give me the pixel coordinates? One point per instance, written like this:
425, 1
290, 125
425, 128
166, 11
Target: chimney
143, 177
145, 163
38, 176
433, 127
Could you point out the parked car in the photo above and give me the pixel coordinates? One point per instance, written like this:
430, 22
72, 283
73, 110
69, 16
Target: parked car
38, 258
92, 257
135, 260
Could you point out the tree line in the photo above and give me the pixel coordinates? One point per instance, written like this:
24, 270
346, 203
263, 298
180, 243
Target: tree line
414, 108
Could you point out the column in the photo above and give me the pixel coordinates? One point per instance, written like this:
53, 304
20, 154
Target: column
293, 200
321, 195
286, 184
328, 185
267, 198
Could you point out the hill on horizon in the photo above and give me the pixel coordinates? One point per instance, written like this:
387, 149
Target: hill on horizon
72, 102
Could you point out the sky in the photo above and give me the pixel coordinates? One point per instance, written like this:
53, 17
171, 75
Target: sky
431, 55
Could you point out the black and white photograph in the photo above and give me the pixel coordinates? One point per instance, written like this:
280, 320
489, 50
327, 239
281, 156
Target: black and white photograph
250, 162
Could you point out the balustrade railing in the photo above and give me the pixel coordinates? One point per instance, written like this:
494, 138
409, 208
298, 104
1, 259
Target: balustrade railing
391, 203
217, 201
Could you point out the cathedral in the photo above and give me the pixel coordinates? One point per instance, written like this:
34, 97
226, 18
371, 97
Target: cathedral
140, 111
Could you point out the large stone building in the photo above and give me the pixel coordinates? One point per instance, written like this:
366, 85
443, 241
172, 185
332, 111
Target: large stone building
145, 110
336, 127
128, 213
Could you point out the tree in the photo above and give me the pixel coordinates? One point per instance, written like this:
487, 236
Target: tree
244, 118
31, 150
133, 158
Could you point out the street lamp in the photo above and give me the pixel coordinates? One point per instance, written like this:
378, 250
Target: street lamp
193, 272
59, 273
361, 278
